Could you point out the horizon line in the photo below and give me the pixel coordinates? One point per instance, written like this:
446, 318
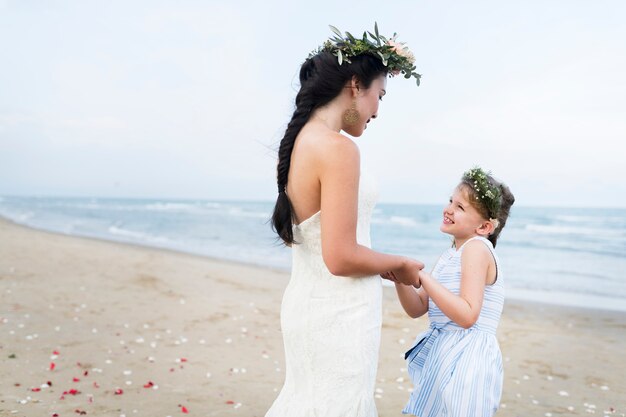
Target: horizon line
268, 201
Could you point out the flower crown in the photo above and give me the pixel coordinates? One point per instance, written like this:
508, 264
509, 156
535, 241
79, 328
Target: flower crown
394, 55
488, 193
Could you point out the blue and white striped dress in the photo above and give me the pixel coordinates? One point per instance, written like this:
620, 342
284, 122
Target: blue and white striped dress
457, 371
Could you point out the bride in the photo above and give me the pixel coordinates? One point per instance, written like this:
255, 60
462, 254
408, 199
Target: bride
331, 308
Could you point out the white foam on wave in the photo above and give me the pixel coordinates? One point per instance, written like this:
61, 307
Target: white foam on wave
239, 212
403, 221
589, 219
171, 207
582, 300
145, 237
572, 230
395, 220
19, 217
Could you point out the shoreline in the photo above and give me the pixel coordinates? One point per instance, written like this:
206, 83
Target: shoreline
514, 295
142, 331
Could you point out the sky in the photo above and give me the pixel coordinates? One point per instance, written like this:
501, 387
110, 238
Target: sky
189, 99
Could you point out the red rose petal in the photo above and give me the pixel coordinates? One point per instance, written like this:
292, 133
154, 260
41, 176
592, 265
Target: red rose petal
118, 391
184, 410
150, 384
52, 366
75, 379
230, 402
56, 352
86, 373
96, 385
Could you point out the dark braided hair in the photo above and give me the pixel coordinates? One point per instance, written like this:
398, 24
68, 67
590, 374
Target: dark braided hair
321, 80
506, 201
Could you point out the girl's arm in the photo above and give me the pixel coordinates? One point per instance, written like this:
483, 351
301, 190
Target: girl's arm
414, 301
464, 308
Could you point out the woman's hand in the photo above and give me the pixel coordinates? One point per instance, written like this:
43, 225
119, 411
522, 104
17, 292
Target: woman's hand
407, 274
389, 276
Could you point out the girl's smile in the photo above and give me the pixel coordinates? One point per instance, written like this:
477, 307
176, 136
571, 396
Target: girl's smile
461, 220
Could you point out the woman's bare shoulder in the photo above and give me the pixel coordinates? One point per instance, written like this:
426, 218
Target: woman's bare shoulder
328, 146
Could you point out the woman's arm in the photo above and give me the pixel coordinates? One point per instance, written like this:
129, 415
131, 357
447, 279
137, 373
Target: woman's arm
339, 171
464, 308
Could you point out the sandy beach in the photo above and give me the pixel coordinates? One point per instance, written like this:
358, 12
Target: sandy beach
89, 327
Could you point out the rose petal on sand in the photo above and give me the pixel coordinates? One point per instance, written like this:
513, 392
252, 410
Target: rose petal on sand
119, 391
52, 366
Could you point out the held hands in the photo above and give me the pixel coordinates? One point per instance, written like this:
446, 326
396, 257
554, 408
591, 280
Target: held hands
407, 274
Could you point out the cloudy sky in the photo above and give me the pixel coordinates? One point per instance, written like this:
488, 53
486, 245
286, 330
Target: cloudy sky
188, 99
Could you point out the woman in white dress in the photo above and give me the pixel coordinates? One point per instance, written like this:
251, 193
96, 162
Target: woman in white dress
331, 309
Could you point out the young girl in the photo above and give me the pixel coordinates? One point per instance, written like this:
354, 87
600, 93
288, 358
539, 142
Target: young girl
456, 365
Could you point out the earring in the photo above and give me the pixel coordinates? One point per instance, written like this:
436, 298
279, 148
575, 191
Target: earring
351, 116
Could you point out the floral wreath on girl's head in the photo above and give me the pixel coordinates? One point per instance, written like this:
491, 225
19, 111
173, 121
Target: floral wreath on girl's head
394, 55
486, 192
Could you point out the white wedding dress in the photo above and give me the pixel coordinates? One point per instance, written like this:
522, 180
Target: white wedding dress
331, 328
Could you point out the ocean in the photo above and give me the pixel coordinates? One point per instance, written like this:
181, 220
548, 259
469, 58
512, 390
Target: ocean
568, 256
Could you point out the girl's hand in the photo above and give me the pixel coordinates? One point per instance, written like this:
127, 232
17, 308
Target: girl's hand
408, 273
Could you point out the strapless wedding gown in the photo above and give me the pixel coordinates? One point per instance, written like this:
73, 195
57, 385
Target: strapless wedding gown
331, 328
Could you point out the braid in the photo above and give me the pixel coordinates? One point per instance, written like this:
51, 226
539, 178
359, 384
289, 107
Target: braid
282, 219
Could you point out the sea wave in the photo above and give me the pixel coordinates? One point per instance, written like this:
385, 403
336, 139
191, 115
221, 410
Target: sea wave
18, 217
171, 207
396, 220
144, 237
239, 212
573, 230
589, 219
